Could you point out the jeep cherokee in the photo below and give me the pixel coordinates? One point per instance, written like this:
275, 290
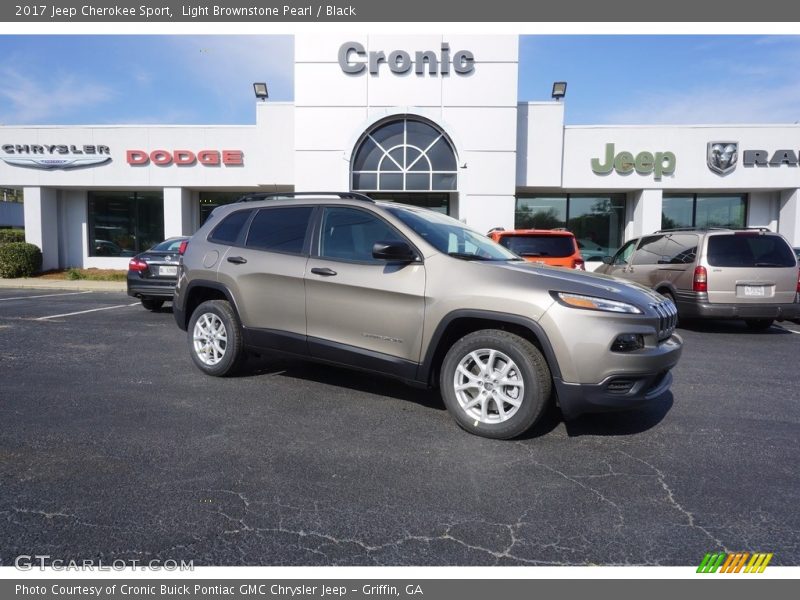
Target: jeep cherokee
414, 294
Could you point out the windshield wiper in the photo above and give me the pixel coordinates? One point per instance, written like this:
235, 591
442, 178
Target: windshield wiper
533, 254
468, 256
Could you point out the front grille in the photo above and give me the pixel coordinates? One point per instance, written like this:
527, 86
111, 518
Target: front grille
667, 319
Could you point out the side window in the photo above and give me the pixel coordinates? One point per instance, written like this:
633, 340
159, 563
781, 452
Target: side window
623, 256
649, 251
228, 231
680, 249
350, 233
280, 229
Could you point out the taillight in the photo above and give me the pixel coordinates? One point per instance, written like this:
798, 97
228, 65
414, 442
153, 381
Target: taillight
579, 264
798, 282
182, 247
700, 283
137, 265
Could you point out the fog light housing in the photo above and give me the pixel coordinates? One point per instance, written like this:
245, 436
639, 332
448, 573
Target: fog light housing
628, 342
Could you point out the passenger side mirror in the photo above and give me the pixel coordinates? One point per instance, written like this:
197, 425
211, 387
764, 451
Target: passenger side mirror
395, 251
608, 260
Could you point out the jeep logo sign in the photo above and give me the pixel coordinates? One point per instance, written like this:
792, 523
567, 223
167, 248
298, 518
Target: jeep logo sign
354, 59
644, 163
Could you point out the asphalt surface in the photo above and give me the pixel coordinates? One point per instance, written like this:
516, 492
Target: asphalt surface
114, 446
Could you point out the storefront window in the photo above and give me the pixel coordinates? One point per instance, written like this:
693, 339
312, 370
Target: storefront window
124, 223
703, 210
597, 221
404, 155
211, 200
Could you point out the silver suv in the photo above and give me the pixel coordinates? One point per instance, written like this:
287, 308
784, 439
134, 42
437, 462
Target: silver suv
417, 295
748, 274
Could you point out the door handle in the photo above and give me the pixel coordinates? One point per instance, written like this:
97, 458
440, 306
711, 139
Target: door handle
237, 260
324, 271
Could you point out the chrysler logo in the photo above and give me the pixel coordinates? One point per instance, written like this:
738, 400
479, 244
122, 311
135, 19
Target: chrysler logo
722, 156
54, 156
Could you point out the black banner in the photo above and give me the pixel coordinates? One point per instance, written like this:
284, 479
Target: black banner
405, 589
407, 11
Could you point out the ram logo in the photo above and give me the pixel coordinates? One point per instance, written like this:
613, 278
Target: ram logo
722, 156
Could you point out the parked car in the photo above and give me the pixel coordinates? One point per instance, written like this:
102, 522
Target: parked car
553, 247
749, 274
414, 294
152, 274
591, 250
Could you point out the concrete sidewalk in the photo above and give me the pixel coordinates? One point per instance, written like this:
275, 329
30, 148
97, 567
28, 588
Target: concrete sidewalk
64, 284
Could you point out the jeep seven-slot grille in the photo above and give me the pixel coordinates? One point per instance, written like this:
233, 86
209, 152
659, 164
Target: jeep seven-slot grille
667, 319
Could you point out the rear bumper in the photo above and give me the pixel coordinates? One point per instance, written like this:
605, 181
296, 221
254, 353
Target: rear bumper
699, 307
141, 287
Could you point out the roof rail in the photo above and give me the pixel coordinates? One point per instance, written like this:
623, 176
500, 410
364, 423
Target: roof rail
288, 195
694, 229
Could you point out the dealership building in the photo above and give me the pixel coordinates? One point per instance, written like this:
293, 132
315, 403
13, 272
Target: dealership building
429, 120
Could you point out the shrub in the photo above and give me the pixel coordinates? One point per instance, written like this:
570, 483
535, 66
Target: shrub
18, 259
8, 236
74, 274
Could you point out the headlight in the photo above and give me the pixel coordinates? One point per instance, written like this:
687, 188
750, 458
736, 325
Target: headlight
594, 303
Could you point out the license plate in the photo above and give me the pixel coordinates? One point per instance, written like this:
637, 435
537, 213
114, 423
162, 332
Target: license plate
754, 290
171, 271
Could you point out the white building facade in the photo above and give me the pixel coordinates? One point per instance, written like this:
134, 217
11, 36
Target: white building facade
432, 120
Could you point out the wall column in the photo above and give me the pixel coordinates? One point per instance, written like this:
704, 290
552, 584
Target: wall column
41, 223
789, 217
177, 212
644, 213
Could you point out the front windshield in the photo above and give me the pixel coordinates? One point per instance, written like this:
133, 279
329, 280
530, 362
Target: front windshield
450, 236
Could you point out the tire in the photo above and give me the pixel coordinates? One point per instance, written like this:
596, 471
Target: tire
480, 406
151, 303
215, 339
759, 324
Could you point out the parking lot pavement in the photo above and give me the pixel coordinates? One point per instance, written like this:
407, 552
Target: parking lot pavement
114, 446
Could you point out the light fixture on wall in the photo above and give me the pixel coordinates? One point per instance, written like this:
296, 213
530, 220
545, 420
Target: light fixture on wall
559, 89
260, 90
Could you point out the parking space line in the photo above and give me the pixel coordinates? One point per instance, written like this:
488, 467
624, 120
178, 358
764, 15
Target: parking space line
82, 312
44, 296
789, 330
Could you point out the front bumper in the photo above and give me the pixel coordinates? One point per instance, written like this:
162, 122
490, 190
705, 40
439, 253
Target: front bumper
625, 389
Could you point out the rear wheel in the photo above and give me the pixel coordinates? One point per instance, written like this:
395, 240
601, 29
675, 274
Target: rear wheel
151, 303
495, 384
759, 324
215, 338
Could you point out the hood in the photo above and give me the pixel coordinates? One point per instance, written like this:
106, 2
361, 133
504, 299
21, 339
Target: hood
583, 282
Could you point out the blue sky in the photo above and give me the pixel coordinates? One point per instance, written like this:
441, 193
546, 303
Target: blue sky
207, 79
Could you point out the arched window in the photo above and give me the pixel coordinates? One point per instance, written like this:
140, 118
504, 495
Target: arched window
406, 155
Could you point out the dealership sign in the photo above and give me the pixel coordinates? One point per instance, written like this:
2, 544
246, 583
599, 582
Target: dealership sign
354, 59
644, 163
54, 156
722, 157
185, 158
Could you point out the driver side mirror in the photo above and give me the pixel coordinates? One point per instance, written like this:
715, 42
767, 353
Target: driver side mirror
395, 251
608, 260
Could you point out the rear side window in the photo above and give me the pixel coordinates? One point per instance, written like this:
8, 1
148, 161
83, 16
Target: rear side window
280, 229
228, 231
650, 251
749, 250
680, 249
547, 246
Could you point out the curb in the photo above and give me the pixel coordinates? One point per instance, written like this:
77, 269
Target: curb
64, 284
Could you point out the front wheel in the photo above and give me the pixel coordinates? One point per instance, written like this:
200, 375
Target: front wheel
215, 338
495, 384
